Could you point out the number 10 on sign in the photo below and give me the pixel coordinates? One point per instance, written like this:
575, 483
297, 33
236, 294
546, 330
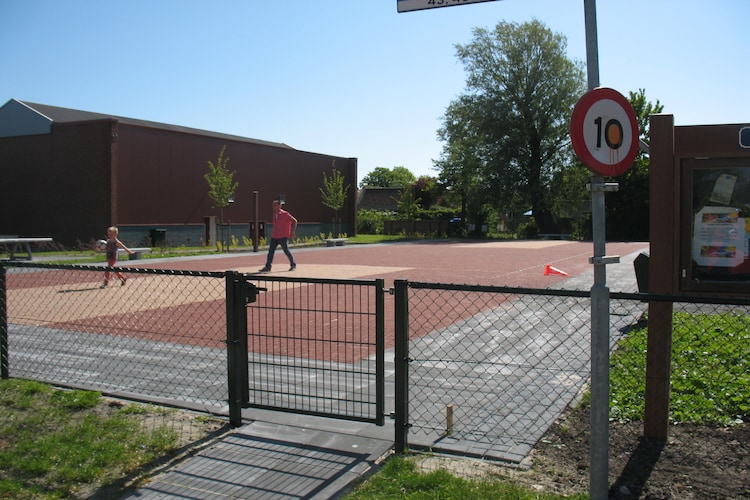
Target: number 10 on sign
604, 132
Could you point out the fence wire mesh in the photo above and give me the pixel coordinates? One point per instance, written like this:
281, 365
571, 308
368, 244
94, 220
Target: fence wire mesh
159, 337
316, 347
490, 369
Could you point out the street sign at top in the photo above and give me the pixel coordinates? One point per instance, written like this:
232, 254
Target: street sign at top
409, 5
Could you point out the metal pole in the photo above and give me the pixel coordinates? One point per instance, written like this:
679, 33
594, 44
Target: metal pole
592, 44
380, 351
255, 222
237, 290
599, 444
234, 384
401, 362
4, 354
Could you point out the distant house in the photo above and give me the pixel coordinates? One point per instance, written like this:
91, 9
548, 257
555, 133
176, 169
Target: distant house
70, 174
379, 198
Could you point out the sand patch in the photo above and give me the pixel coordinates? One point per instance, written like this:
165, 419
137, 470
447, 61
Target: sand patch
523, 245
331, 271
68, 302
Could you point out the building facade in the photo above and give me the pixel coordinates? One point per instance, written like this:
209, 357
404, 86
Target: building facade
69, 174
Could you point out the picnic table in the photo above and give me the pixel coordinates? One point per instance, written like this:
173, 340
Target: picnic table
339, 242
14, 245
137, 252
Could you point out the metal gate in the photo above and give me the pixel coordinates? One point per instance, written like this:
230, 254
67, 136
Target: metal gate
312, 346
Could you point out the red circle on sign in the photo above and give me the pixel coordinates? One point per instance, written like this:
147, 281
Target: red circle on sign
604, 132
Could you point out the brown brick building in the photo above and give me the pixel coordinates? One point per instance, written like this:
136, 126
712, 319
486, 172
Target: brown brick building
70, 174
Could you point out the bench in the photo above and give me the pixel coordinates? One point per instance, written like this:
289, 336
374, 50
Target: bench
553, 236
14, 244
339, 242
137, 252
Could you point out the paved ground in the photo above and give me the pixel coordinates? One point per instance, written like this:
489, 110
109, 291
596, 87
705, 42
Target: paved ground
503, 263
281, 455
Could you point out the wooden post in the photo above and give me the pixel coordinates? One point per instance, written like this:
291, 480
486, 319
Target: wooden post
663, 224
449, 419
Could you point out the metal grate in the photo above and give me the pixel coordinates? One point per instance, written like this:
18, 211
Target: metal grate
316, 347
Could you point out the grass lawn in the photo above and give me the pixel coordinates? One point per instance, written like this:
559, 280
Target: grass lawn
58, 443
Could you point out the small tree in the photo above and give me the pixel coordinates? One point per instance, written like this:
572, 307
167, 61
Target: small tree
333, 194
408, 205
221, 185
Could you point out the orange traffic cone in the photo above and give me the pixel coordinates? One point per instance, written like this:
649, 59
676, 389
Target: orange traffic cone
550, 270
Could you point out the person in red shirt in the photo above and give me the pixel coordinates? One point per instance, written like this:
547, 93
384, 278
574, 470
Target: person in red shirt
284, 226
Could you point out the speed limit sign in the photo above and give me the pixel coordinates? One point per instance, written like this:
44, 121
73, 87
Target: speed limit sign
604, 132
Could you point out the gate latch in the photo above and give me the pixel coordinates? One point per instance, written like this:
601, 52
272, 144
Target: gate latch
250, 291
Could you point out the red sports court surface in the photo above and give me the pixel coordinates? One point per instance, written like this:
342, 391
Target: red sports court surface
501, 263
509, 263
163, 315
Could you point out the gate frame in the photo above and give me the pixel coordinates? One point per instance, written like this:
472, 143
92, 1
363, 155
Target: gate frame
241, 292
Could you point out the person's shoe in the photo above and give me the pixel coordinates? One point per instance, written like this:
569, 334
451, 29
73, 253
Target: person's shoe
104, 285
265, 269
122, 281
294, 266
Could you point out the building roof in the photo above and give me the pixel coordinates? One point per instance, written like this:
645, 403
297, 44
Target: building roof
379, 198
43, 114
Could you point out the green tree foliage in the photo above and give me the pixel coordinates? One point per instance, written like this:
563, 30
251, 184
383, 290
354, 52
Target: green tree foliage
426, 190
627, 209
509, 133
220, 180
571, 201
372, 221
333, 193
463, 157
408, 205
221, 185
383, 177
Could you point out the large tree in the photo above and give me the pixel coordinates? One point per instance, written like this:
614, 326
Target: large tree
462, 159
509, 133
384, 177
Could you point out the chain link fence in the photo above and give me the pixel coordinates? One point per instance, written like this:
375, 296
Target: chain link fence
491, 368
160, 337
205, 341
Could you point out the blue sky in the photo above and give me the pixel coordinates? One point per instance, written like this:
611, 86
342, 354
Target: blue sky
349, 78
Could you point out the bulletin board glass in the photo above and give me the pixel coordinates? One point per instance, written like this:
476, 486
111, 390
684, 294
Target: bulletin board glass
716, 225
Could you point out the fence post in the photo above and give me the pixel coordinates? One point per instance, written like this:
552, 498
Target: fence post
237, 360
658, 366
380, 351
401, 361
4, 356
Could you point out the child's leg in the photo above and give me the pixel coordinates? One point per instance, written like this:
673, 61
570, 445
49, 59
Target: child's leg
111, 261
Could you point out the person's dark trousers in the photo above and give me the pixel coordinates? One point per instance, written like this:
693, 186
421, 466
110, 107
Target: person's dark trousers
272, 249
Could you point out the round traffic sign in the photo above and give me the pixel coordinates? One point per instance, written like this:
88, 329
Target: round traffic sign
604, 131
